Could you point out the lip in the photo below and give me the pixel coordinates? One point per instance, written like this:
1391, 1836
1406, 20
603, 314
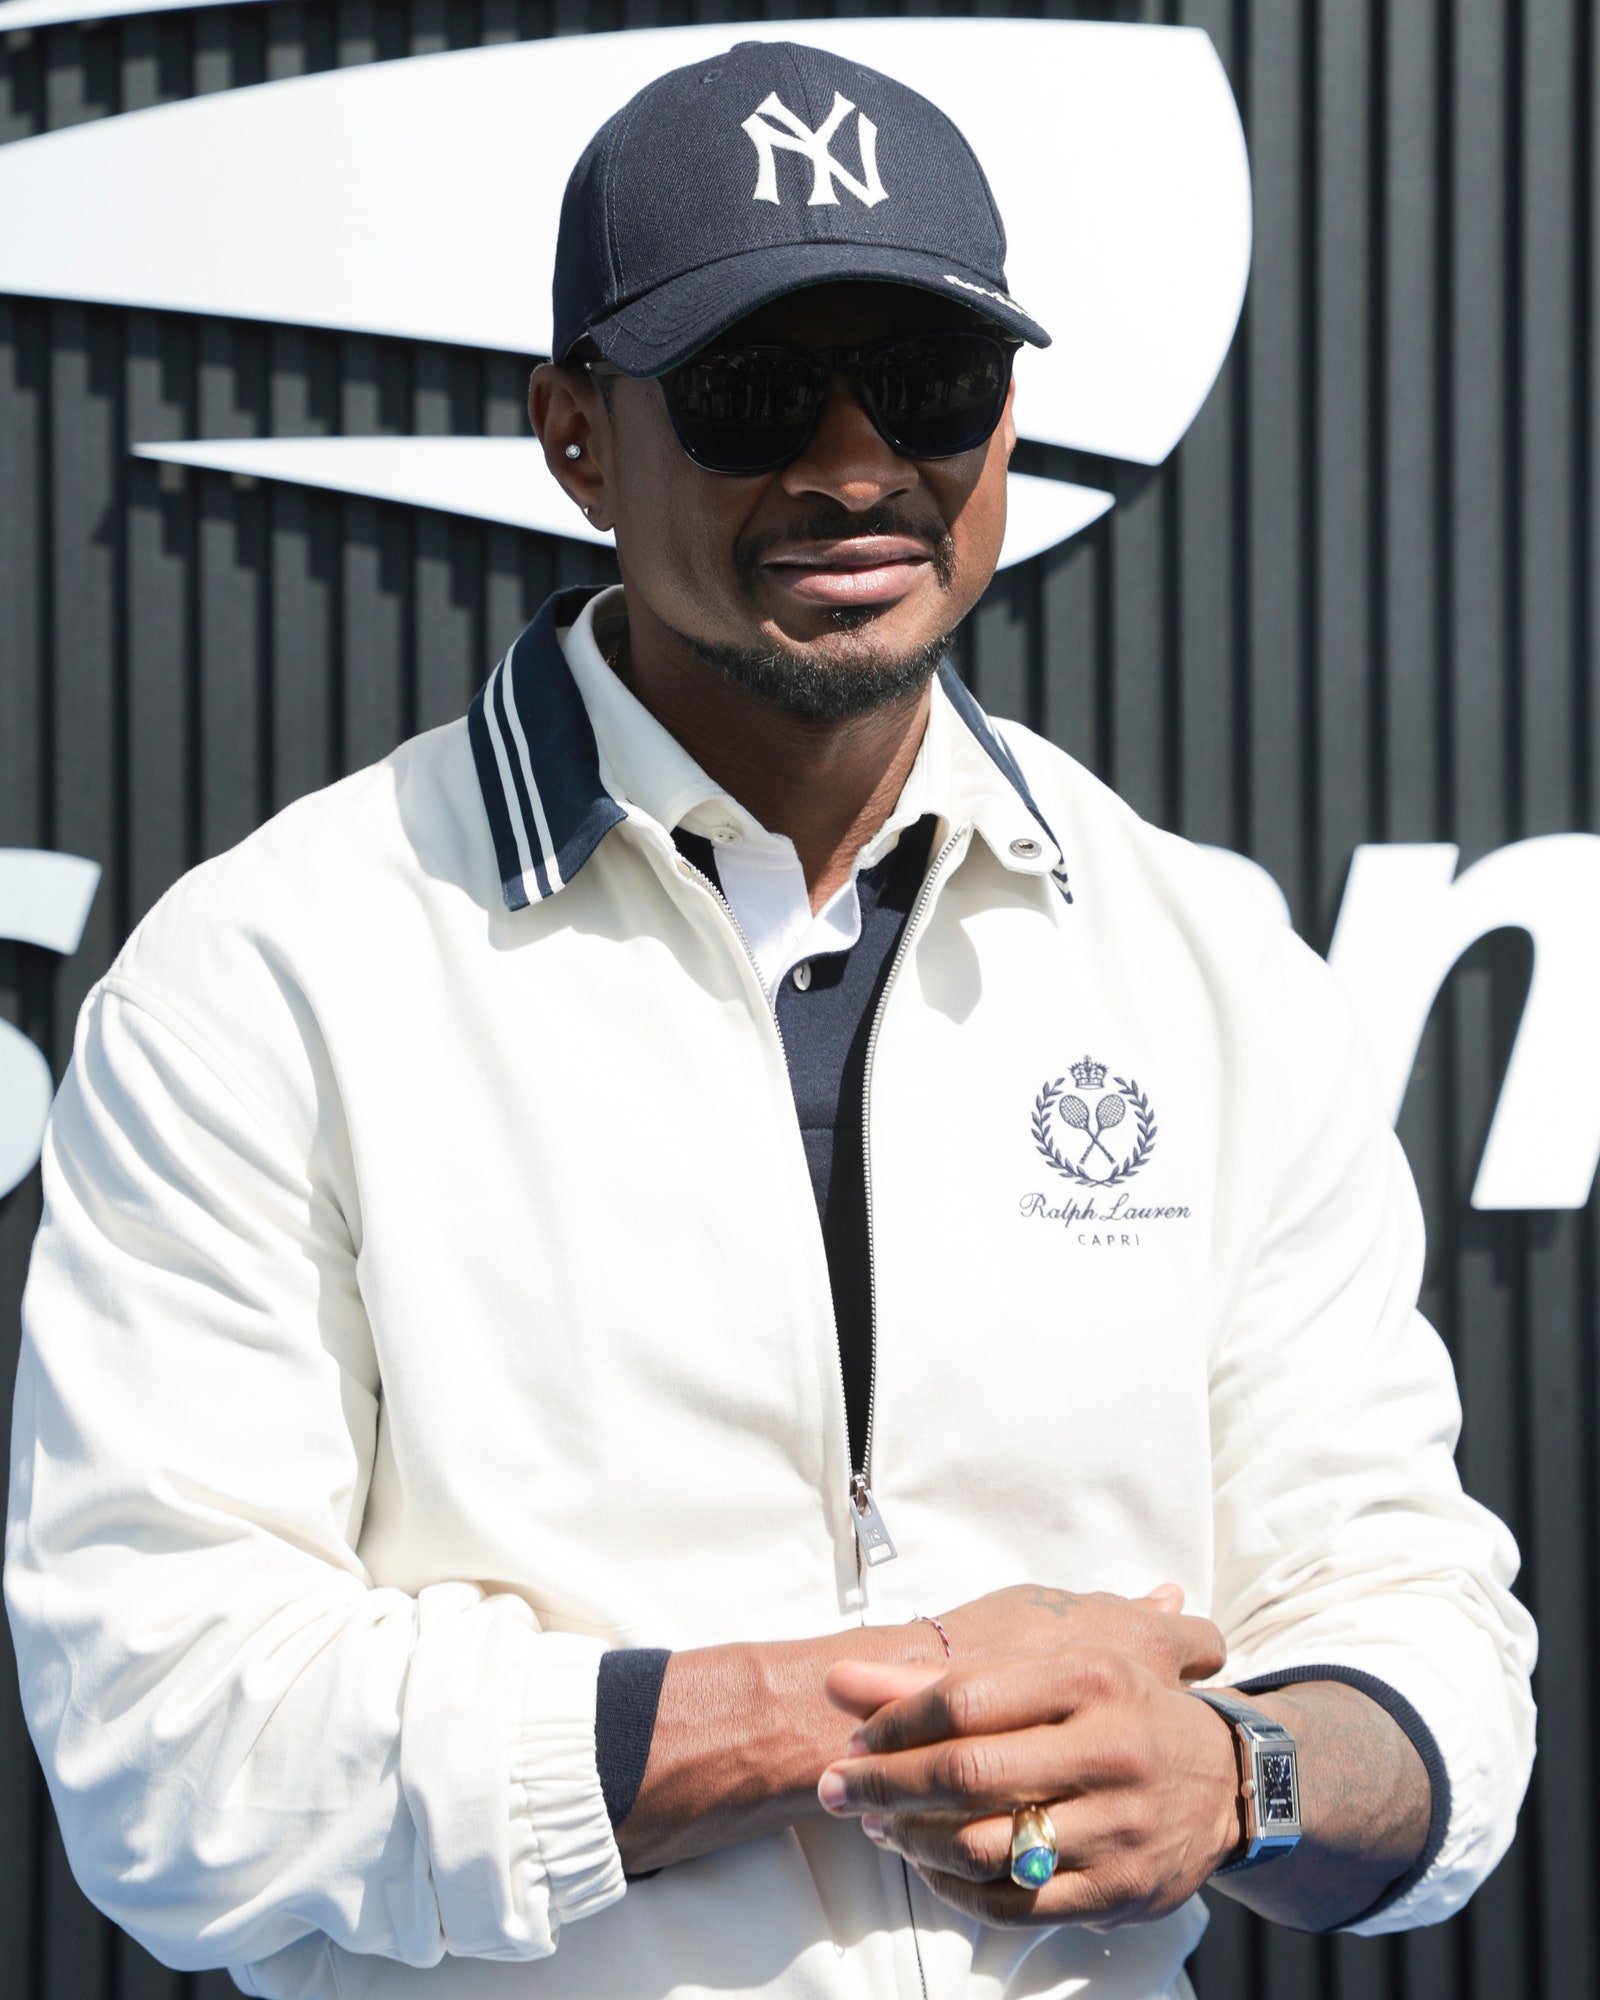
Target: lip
857, 569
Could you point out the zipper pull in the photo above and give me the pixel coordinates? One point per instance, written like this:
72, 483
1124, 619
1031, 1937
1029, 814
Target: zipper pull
871, 1533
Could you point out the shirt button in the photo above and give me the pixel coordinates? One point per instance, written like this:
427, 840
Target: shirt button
726, 836
1026, 850
802, 975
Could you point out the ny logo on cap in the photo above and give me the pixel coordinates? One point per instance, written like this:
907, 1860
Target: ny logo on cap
795, 136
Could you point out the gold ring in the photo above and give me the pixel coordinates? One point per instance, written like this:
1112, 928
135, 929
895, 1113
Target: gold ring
1033, 1847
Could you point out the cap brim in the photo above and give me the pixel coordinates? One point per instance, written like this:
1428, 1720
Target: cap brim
654, 333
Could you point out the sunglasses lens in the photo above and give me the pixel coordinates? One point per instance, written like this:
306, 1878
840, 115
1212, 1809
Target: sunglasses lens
752, 409
744, 409
939, 393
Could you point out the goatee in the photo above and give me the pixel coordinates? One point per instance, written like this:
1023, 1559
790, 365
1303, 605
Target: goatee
873, 677
823, 690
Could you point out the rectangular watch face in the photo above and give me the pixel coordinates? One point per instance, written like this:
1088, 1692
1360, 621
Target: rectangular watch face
1278, 1803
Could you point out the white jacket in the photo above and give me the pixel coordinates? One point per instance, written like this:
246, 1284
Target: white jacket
430, 1295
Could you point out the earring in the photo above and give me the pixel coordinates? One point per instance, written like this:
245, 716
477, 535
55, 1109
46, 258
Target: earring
574, 451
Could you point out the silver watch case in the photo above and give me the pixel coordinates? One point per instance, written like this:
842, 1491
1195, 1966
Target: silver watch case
1271, 1781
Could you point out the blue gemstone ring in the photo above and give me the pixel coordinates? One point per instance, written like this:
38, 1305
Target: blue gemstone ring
1033, 1847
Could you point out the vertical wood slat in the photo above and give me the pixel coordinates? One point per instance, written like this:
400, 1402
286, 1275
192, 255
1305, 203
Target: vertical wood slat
159, 636
447, 664
1204, 562
1342, 498
84, 466
1409, 660
1136, 580
1410, 635
1409, 805
26, 992
1487, 1262
305, 701
1549, 671
230, 562
1275, 452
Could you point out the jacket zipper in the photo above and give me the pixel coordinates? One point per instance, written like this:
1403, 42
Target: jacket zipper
873, 1542
700, 875
872, 1537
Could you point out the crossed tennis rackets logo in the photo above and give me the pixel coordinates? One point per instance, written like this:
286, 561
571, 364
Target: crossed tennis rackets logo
1096, 1164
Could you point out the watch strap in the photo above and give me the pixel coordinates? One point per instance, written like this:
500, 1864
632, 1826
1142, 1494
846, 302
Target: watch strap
1253, 1729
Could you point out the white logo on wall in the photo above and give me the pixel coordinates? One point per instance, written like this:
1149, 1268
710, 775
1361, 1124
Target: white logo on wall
1118, 161
793, 135
44, 900
1115, 153
1406, 918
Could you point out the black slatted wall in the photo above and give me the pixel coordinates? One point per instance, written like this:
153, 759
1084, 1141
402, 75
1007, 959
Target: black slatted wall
1355, 605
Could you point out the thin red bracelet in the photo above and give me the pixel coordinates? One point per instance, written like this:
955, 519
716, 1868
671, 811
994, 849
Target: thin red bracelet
925, 1618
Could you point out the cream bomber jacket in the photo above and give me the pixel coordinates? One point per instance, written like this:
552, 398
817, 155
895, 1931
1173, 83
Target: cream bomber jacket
430, 1295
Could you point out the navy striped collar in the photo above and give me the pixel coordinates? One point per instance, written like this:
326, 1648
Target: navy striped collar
539, 766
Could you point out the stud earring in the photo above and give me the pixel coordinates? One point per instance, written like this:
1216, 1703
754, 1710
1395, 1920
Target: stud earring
574, 451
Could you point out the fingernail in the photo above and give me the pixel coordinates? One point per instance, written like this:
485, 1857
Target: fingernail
857, 1746
872, 1826
831, 1790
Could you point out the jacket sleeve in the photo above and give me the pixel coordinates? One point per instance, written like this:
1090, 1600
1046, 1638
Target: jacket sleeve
1346, 1547
246, 1739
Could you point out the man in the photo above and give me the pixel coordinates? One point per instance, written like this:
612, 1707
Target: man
724, 1198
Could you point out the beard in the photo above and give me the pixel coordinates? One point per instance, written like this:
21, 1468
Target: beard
872, 677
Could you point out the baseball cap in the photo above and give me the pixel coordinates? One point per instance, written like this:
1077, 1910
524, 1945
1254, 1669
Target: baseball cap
733, 180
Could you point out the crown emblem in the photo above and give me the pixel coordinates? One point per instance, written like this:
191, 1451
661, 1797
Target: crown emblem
1087, 1074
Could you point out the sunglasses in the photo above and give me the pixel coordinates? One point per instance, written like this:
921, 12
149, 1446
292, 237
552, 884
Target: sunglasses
754, 409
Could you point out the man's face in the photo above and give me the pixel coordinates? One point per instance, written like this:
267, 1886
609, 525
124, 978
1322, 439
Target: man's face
845, 561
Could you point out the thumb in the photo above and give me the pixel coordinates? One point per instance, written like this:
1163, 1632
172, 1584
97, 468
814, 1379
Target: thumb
1167, 1597
861, 1687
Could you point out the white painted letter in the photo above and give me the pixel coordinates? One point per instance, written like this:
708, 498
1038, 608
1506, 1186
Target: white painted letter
1404, 922
44, 900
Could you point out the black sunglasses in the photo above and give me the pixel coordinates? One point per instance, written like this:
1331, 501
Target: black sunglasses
753, 409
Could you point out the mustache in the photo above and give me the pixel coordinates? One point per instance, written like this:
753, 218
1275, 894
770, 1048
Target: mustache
839, 524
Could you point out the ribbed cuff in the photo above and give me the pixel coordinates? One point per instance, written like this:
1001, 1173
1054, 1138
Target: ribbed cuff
627, 1695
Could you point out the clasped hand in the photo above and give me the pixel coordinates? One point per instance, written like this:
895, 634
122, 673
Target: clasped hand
1139, 1778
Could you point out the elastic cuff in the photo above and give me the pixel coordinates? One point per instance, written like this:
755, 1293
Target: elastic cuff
1422, 1740
561, 1841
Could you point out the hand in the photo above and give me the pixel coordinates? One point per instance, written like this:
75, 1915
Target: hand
1034, 1618
1139, 1778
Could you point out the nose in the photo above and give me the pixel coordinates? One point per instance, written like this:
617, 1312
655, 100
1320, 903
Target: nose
846, 460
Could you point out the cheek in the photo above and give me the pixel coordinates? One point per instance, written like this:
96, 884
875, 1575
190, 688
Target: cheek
675, 533
972, 496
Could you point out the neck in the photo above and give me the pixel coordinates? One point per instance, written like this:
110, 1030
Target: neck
828, 785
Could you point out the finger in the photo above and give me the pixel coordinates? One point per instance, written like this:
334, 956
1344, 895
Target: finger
967, 1776
1167, 1597
990, 1697
978, 1850
1203, 1651
1069, 1896
862, 1686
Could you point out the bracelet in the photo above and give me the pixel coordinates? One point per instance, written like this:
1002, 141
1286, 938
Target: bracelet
925, 1618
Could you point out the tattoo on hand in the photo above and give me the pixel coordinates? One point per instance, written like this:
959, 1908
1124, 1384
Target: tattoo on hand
1061, 1602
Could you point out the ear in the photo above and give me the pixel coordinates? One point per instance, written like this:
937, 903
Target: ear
566, 409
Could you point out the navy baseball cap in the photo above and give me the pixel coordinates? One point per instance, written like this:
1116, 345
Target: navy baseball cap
731, 181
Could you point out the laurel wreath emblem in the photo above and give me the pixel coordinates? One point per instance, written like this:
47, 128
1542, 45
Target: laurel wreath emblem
1144, 1123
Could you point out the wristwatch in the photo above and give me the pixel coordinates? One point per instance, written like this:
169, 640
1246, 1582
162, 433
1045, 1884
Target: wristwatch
1269, 1781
